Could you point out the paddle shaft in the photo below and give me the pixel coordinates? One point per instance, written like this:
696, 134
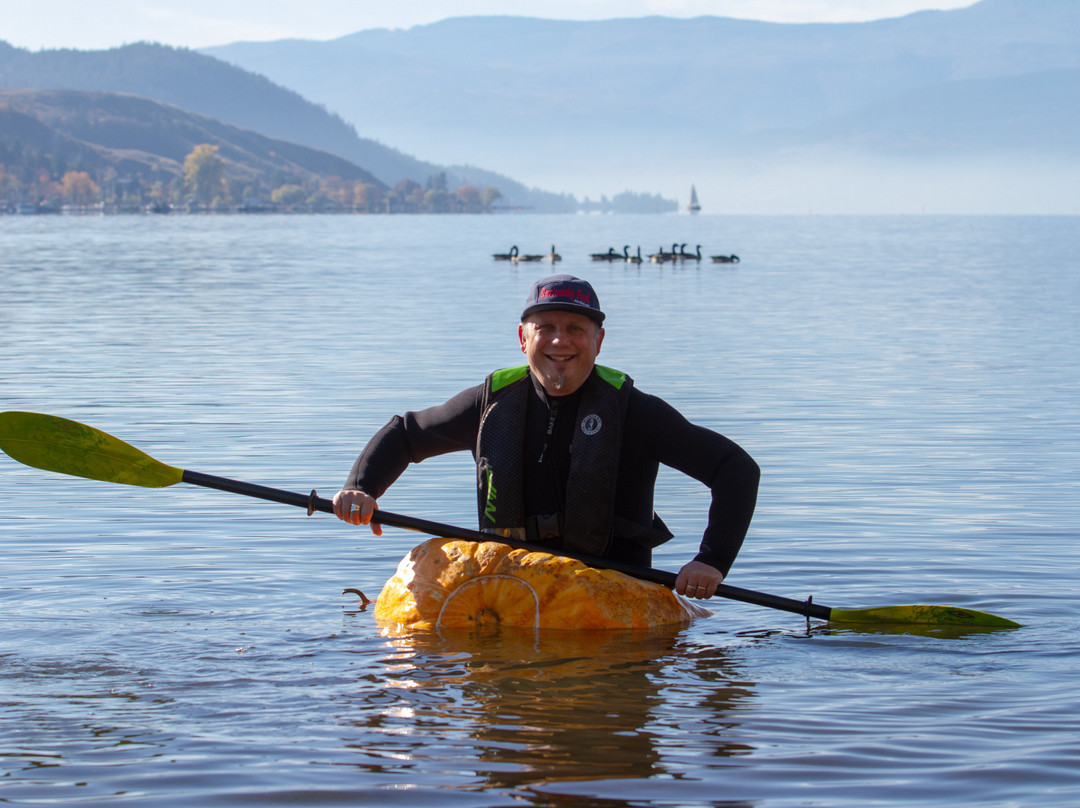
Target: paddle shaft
68, 447
312, 502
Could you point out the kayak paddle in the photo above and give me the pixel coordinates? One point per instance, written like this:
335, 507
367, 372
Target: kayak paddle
68, 447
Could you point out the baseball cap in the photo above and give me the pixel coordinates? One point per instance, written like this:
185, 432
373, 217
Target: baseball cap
563, 293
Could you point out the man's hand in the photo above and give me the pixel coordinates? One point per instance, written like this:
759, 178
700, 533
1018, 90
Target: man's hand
698, 580
356, 508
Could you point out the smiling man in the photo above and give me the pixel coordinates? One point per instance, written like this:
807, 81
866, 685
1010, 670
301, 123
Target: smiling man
561, 332
567, 451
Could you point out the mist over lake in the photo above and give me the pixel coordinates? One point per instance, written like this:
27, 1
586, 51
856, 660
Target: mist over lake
969, 110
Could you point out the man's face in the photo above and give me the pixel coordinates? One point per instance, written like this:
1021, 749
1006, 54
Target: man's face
561, 348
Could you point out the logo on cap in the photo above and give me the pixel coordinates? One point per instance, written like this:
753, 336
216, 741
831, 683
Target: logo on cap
564, 292
577, 296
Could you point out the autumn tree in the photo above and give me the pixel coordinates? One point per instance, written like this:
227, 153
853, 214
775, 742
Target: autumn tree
204, 173
336, 190
411, 195
78, 189
469, 197
289, 195
367, 197
437, 200
46, 190
489, 195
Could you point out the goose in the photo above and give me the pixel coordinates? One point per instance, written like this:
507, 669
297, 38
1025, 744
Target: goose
517, 259
610, 254
661, 257
725, 259
684, 255
506, 256
553, 256
634, 259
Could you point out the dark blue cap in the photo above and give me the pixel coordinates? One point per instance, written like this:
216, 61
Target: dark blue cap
563, 293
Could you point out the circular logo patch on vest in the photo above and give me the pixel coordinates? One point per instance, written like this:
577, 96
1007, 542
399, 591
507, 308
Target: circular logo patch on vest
591, 424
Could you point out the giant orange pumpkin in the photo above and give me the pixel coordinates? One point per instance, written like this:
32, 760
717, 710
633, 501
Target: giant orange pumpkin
451, 584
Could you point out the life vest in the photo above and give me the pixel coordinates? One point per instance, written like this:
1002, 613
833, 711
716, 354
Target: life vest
590, 489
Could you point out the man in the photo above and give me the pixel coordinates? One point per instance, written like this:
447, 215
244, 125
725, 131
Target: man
567, 451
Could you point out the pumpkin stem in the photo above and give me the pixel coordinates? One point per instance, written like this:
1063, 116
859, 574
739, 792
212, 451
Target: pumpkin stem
364, 601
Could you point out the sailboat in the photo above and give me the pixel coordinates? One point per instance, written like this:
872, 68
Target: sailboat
694, 206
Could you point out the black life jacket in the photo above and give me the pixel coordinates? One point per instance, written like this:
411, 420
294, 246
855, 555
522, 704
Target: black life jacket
590, 488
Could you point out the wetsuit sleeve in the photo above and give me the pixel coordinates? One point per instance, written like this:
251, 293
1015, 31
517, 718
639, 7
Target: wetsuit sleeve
414, 437
716, 461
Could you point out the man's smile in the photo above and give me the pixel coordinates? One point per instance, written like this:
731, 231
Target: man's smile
561, 348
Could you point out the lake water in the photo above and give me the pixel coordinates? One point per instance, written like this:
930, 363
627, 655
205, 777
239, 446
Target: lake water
909, 385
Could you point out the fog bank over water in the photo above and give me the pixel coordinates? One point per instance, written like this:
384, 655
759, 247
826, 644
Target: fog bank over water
973, 110
947, 186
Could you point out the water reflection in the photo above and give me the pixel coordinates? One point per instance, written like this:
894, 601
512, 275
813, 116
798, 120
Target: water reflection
943, 632
532, 708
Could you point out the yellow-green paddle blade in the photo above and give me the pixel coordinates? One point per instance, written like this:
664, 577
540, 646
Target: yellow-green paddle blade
68, 447
920, 615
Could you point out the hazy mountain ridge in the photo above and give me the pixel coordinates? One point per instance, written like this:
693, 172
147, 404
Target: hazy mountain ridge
134, 149
715, 101
166, 134
976, 115
648, 71
207, 86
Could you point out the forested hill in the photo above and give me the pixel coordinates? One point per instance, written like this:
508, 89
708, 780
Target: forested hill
136, 136
208, 86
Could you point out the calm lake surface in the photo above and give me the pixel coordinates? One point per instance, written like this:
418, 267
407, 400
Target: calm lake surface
909, 385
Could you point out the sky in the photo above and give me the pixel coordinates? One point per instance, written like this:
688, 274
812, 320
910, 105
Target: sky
101, 24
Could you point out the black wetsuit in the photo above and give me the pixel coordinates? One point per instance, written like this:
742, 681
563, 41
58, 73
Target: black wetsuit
654, 433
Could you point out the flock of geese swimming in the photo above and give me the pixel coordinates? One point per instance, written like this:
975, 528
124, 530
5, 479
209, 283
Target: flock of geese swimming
677, 253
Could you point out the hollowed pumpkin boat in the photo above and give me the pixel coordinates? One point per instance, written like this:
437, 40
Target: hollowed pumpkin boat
454, 584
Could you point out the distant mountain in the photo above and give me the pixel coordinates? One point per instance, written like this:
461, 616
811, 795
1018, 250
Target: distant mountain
1032, 113
207, 86
891, 114
92, 131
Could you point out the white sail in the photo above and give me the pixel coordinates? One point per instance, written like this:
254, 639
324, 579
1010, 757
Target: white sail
694, 206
